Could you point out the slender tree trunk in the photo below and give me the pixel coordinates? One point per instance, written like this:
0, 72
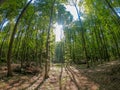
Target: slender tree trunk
2, 24
106, 54
9, 73
115, 40
2, 44
83, 34
47, 42
112, 9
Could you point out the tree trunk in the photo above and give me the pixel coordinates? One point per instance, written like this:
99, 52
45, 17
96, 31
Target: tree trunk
2, 43
113, 10
83, 34
9, 73
47, 42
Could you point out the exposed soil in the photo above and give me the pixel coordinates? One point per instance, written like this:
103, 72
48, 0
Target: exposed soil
107, 75
102, 77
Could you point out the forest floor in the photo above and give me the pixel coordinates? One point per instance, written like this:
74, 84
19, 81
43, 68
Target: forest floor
103, 77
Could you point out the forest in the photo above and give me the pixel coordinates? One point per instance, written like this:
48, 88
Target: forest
87, 57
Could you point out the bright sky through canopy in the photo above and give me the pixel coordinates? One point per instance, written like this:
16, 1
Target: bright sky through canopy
58, 28
58, 32
72, 11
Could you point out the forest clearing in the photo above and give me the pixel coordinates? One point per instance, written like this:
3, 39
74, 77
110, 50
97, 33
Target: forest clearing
61, 77
59, 44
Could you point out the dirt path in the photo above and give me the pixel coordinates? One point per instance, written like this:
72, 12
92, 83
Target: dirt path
81, 81
65, 79
68, 78
73, 78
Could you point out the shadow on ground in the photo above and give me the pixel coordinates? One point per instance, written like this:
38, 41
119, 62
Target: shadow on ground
106, 75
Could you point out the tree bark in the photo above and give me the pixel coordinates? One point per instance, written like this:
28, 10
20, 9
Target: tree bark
47, 43
9, 53
83, 34
112, 9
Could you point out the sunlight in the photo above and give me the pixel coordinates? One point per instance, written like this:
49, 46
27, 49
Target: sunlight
58, 32
59, 28
72, 11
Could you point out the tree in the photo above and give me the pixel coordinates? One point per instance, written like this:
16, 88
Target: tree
12, 39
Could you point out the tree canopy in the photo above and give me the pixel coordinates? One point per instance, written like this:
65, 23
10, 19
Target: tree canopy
27, 32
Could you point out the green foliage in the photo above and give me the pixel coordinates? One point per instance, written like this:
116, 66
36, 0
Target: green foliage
100, 28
